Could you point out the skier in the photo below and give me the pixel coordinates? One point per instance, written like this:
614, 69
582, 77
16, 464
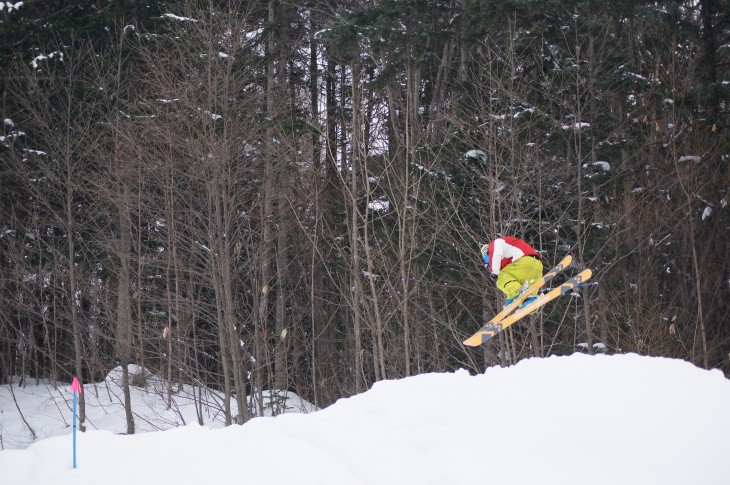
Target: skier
516, 265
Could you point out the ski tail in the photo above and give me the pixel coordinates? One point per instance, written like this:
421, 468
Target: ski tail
493, 327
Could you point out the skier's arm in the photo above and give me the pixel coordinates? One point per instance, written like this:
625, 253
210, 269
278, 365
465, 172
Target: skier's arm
496, 255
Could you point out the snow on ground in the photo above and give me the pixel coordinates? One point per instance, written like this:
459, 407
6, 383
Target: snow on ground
556, 421
48, 410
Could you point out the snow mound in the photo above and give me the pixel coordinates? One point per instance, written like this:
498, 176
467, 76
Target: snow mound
562, 420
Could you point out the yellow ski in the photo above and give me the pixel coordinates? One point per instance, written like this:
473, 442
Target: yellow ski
496, 324
569, 285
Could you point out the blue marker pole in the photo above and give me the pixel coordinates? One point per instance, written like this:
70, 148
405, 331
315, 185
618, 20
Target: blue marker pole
76, 388
75, 398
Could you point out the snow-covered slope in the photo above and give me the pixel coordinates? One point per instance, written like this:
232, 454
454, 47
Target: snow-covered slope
562, 420
48, 410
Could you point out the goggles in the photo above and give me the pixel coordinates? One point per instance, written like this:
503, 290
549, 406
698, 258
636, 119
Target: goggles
485, 258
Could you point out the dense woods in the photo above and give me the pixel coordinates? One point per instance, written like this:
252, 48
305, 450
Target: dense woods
270, 195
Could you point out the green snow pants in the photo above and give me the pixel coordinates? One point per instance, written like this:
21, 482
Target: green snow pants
513, 276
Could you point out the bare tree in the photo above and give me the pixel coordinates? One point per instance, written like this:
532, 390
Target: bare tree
59, 107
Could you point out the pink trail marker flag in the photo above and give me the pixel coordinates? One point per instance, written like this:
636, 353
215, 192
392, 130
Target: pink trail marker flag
76, 389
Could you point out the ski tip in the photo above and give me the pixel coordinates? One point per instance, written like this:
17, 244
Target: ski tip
470, 342
479, 338
476, 340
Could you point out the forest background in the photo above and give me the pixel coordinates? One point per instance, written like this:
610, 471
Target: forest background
254, 195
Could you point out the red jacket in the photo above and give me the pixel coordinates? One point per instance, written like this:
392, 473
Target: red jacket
505, 250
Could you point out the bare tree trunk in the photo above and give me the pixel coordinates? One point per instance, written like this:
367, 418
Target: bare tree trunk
282, 261
267, 215
358, 296
702, 326
225, 360
71, 268
139, 350
577, 139
124, 306
408, 208
317, 253
122, 199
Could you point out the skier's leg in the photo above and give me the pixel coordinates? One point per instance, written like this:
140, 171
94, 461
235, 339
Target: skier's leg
508, 282
518, 275
529, 270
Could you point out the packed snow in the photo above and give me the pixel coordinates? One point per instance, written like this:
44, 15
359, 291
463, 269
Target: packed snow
560, 420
